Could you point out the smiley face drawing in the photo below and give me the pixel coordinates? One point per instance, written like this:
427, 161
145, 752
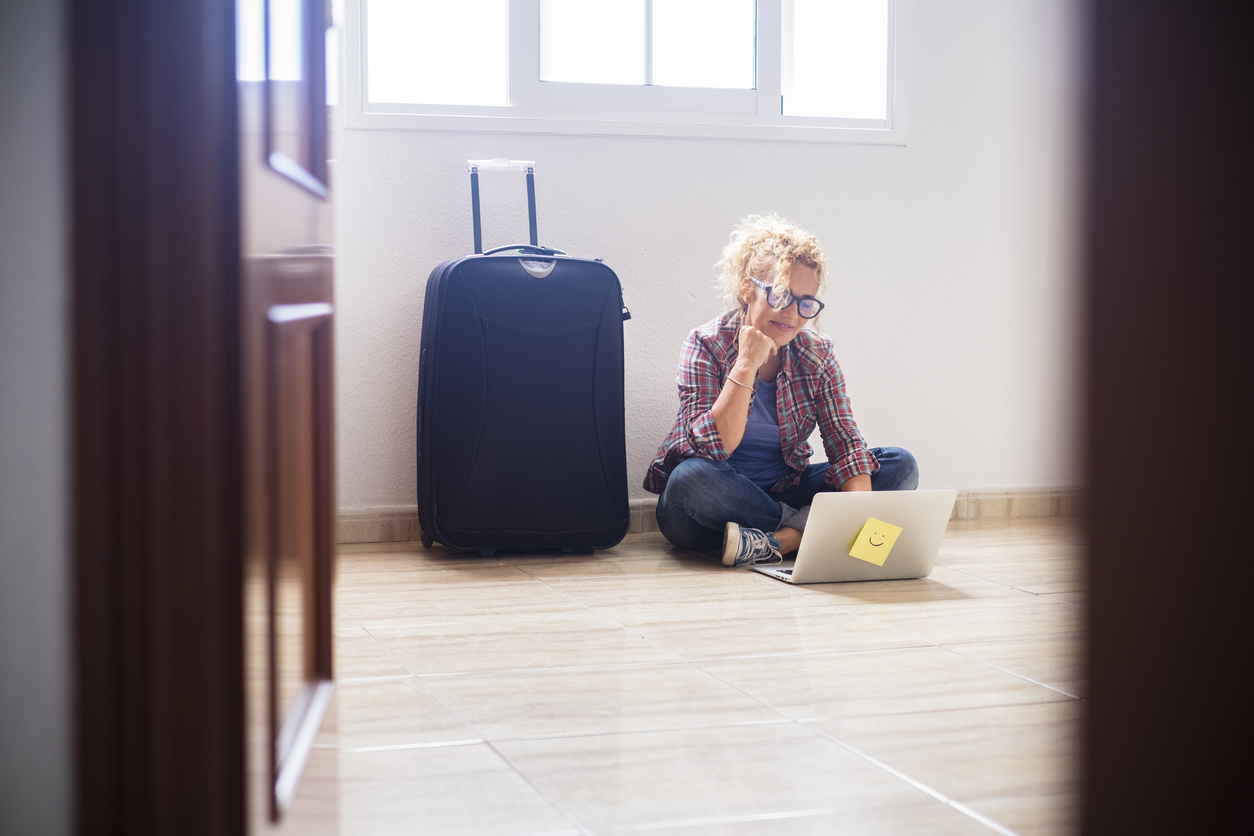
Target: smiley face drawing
875, 541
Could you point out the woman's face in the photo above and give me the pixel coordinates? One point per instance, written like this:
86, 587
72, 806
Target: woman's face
781, 326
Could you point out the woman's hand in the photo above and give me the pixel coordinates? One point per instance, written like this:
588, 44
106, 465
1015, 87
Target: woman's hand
755, 348
731, 410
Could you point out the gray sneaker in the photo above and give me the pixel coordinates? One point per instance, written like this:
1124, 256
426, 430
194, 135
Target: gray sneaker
746, 546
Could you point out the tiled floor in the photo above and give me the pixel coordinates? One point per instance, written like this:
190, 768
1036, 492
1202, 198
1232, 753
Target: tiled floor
649, 689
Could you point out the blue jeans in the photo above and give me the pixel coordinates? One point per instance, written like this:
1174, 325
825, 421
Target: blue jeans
702, 496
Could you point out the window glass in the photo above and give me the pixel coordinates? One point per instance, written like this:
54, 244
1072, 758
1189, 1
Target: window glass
704, 43
839, 59
592, 41
286, 60
438, 52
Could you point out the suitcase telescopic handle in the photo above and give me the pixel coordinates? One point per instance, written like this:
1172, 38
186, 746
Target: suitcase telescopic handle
528, 166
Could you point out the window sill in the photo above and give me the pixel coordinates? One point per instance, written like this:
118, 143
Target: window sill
673, 125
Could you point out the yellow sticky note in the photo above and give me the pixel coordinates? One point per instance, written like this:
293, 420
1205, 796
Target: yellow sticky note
875, 541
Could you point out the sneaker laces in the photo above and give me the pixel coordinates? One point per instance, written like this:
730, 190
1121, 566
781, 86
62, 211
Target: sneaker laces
758, 547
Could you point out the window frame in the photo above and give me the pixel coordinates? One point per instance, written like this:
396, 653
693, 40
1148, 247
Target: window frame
527, 90
633, 111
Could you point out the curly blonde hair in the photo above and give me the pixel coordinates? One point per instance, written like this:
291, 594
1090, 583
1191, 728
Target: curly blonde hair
765, 247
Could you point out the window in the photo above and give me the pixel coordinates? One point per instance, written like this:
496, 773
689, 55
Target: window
775, 69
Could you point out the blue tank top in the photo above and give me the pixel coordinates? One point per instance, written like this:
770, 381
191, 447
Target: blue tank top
758, 456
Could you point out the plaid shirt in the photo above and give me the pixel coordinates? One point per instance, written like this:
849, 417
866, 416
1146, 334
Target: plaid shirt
811, 392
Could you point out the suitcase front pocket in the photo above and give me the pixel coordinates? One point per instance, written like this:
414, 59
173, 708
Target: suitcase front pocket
538, 464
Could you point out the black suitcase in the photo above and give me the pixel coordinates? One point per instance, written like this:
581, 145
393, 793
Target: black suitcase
521, 438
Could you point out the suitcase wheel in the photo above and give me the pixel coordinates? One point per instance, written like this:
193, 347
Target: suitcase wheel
486, 552
426, 540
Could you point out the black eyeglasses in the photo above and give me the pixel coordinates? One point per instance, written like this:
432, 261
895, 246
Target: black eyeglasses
807, 306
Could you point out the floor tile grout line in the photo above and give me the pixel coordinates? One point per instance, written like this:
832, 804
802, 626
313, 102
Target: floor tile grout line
972, 575
1009, 586
520, 565
602, 577
373, 638
735, 687
808, 720
739, 724
621, 626
450, 709
1024, 677
914, 782
348, 614
902, 649
817, 605
403, 664
919, 638
981, 818
784, 716
944, 644
650, 570
595, 612
398, 747
385, 648
697, 665
360, 583
609, 666
938, 711
396, 624
554, 736
1021, 599
747, 817
511, 765
805, 654
677, 660
470, 619
489, 743
361, 627
344, 680
535, 785
578, 826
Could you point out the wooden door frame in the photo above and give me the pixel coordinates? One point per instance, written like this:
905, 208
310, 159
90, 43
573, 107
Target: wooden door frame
158, 705
1168, 417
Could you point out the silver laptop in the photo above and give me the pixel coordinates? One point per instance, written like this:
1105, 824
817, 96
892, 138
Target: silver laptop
909, 523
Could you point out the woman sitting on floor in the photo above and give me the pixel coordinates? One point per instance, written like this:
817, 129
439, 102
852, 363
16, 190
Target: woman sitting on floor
753, 384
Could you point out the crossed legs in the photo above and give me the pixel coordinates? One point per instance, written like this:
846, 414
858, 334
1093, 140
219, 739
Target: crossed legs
702, 496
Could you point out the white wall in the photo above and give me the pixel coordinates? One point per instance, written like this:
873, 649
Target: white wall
35, 765
953, 301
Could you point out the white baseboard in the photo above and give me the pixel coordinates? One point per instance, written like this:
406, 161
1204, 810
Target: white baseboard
1020, 504
378, 525
389, 525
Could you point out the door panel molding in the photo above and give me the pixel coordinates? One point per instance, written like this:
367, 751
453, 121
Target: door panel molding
289, 528
300, 524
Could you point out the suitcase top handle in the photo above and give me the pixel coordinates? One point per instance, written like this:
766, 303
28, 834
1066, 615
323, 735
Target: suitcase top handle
525, 248
475, 166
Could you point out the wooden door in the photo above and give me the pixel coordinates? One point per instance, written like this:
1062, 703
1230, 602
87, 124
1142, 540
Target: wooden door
158, 458
288, 311
202, 458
